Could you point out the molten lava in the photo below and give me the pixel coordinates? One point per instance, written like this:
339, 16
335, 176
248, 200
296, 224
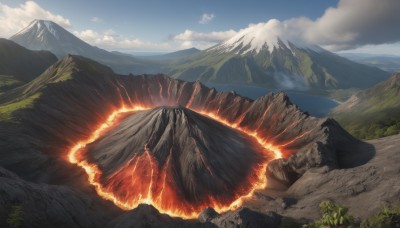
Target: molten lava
143, 180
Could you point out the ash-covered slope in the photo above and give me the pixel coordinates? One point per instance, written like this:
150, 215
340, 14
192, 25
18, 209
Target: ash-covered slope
201, 157
42, 205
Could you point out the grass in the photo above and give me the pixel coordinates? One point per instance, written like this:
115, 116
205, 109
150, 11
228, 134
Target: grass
334, 215
15, 219
387, 217
6, 110
7, 82
373, 113
371, 125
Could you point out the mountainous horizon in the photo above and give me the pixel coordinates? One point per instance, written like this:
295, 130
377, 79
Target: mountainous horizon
48, 35
389, 63
244, 59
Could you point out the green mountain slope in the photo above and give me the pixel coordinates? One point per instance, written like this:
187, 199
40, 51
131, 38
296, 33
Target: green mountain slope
65, 69
372, 113
287, 67
19, 65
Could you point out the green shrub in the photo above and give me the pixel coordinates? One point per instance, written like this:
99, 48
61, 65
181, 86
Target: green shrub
388, 217
15, 219
333, 216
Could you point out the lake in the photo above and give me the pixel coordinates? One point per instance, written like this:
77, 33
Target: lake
315, 105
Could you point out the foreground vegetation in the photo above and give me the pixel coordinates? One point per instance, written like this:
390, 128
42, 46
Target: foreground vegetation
334, 215
15, 217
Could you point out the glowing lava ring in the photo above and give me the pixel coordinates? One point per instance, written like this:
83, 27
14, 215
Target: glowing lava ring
268, 121
94, 172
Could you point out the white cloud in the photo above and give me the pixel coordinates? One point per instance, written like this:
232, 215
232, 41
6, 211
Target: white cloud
111, 40
206, 18
200, 40
13, 20
356, 23
351, 24
96, 19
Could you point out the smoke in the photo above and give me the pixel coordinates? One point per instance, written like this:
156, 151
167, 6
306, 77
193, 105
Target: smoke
290, 82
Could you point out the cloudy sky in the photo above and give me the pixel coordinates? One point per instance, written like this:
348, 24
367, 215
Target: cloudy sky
369, 26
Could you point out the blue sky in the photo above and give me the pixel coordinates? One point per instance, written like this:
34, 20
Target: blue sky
168, 25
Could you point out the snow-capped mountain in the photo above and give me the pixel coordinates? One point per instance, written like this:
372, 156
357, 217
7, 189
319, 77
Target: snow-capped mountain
259, 55
47, 35
258, 37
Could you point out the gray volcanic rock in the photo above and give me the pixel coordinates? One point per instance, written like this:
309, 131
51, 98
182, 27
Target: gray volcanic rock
206, 157
364, 189
207, 215
335, 148
147, 216
245, 217
49, 206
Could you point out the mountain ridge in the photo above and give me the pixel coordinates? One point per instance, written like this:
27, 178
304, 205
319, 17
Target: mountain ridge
373, 112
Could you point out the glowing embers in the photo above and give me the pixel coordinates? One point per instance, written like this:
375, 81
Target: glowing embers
176, 159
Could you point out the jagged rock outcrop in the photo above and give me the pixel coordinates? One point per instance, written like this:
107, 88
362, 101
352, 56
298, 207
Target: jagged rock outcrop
42, 205
147, 216
207, 215
245, 217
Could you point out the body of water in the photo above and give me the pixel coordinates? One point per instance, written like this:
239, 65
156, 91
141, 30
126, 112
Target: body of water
315, 105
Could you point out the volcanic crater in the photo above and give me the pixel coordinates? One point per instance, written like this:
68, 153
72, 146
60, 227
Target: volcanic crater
177, 145
176, 159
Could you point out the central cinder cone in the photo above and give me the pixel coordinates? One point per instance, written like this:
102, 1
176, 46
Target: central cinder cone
207, 158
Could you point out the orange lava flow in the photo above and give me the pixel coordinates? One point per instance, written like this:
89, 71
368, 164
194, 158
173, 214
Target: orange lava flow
156, 189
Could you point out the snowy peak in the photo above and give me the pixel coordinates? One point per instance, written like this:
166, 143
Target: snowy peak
261, 36
47, 35
40, 29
